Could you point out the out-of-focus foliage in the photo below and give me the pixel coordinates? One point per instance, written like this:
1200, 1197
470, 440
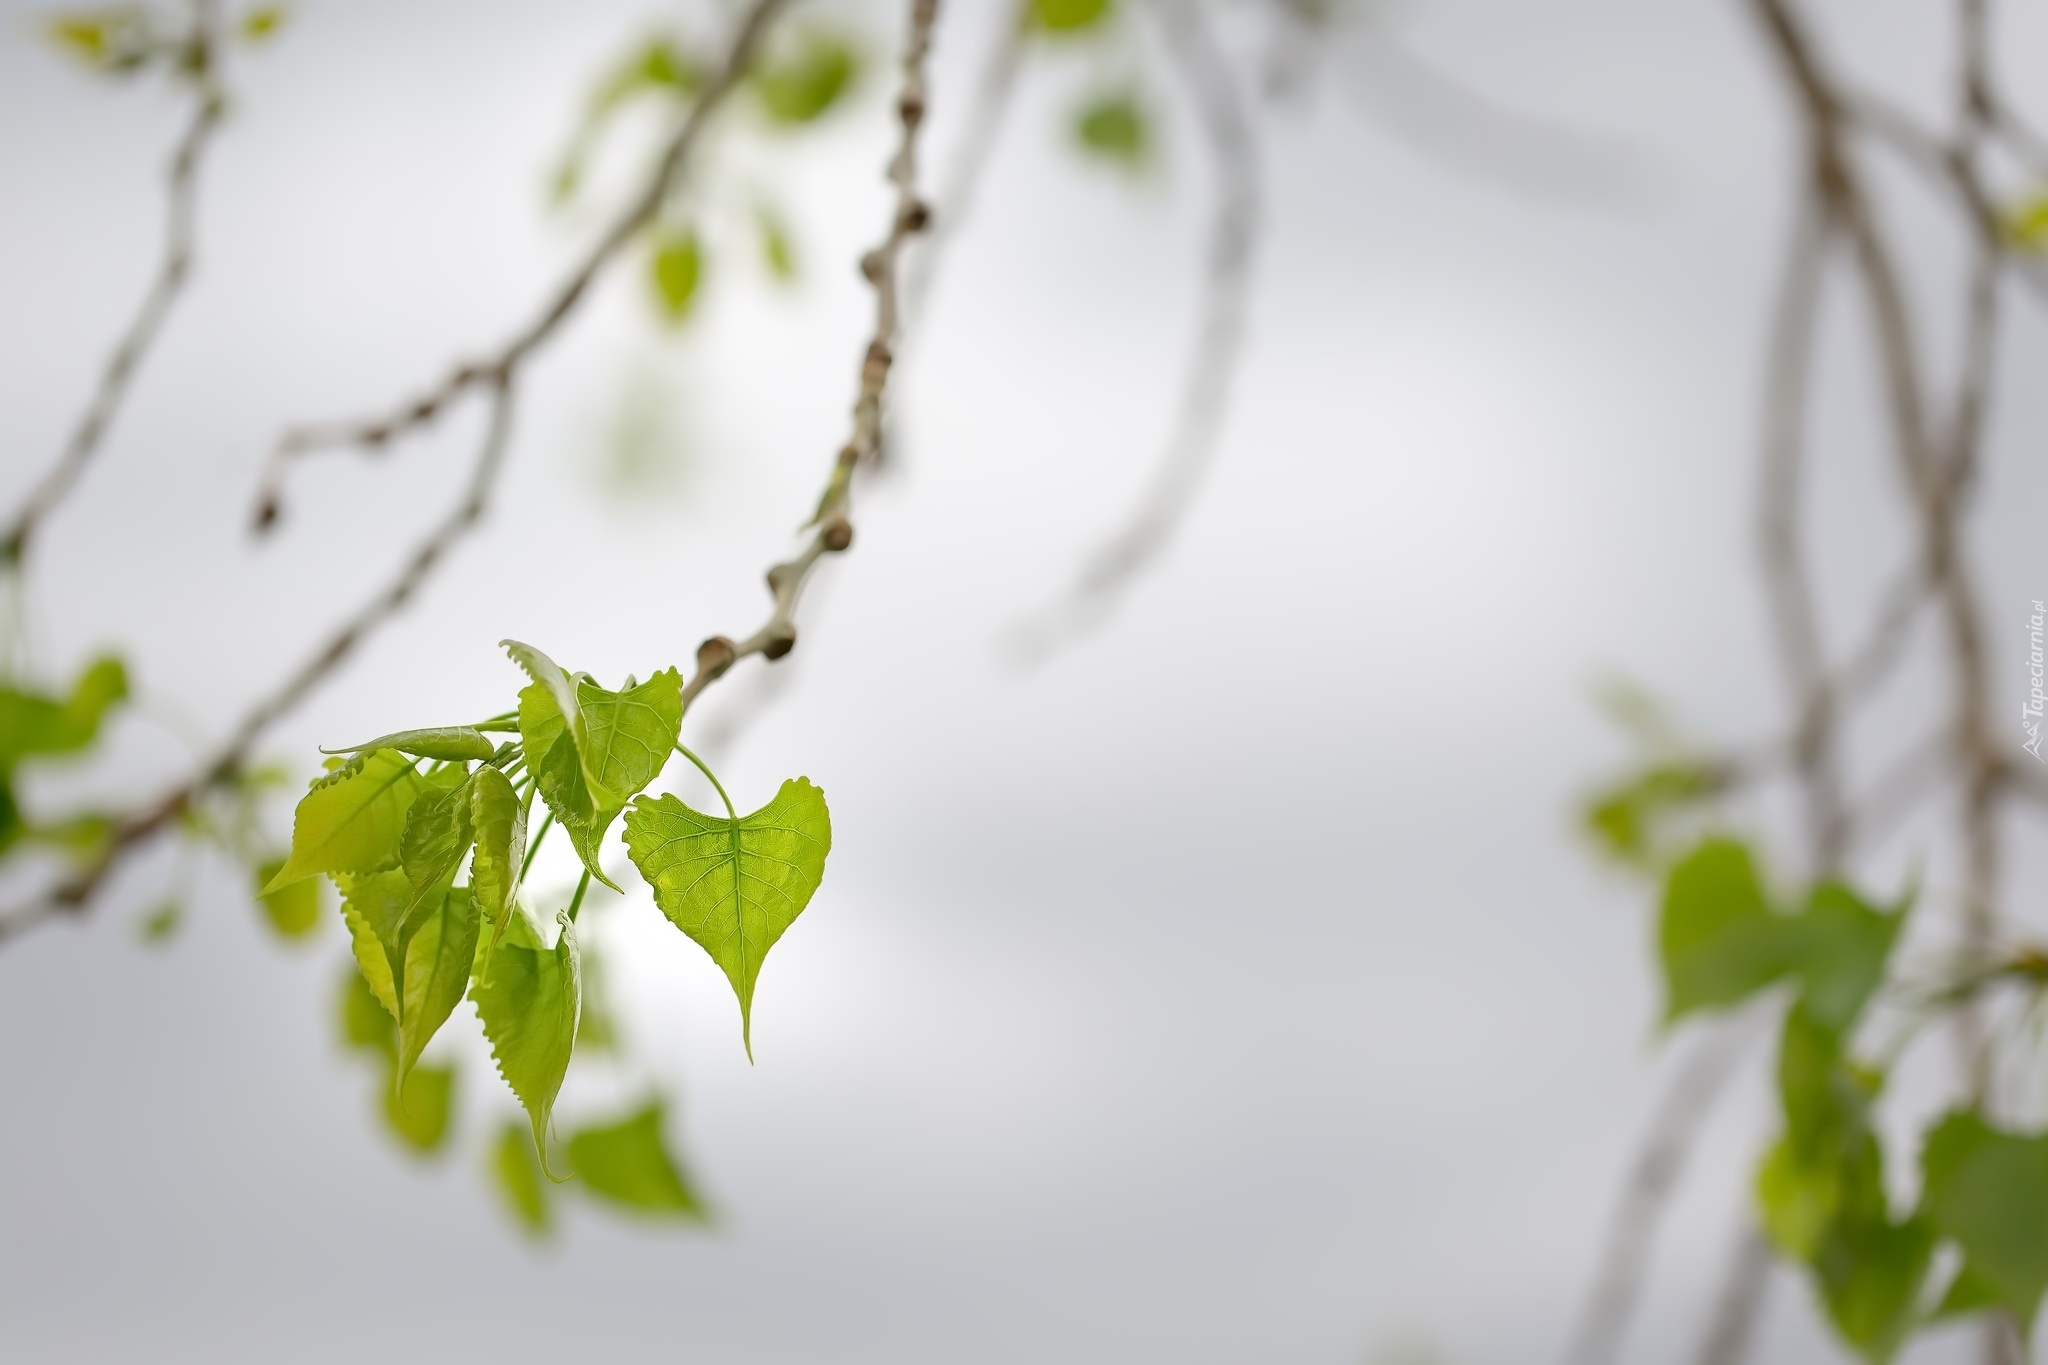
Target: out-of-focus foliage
1115, 128
1067, 16
2026, 223
805, 78
675, 267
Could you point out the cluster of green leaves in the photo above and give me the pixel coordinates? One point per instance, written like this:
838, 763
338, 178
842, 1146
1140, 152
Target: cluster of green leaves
803, 75
1821, 1186
397, 822
122, 40
36, 726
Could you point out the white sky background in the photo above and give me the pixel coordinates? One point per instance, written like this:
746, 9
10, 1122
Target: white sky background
1231, 989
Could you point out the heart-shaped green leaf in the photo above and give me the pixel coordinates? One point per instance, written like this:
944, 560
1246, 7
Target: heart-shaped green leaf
734, 885
352, 819
628, 736
1719, 940
528, 997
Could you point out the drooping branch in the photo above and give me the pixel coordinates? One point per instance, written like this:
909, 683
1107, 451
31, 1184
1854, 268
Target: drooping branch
199, 65
1197, 430
497, 381
832, 525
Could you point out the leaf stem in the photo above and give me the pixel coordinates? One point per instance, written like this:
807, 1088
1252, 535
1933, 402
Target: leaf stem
730, 813
545, 825
576, 901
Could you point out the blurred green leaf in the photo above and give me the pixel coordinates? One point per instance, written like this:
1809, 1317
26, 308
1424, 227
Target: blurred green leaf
351, 820
418, 1112
262, 23
2026, 223
116, 40
1718, 940
518, 1178
675, 267
528, 997
732, 885
366, 1025
777, 253
1988, 1190
627, 1164
33, 725
1067, 16
1841, 946
1625, 820
1115, 128
293, 911
800, 85
161, 925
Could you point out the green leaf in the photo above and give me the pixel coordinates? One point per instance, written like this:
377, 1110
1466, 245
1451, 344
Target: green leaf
1870, 1273
161, 924
2026, 223
627, 1164
1841, 947
777, 252
419, 1108
118, 39
499, 818
596, 1029
1626, 820
366, 1024
437, 968
437, 834
628, 736
1988, 1190
1718, 940
675, 267
734, 885
528, 998
518, 1178
448, 743
560, 689
799, 86
293, 911
35, 725
1067, 16
1115, 128
373, 906
352, 819
262, 23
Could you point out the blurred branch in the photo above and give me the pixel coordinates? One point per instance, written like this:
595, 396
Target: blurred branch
834, 530
200, 65
497, 382
1733, 1322
1653, 1177
1197, 429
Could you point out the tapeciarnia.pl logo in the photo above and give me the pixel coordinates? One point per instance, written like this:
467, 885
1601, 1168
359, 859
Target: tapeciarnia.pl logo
2030, 714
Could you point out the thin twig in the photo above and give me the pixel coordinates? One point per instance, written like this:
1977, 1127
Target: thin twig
1192, 442
833, 531
173, 270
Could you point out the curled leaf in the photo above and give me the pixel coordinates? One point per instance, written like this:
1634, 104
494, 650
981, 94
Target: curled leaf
448, 743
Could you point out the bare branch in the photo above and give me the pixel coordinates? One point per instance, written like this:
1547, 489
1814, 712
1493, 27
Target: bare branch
833, 531
1197, 429
201, 63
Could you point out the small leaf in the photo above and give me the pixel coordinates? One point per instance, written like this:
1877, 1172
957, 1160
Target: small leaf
777, 252
1718, 940
34, 725
1067, 16
161, 924
499, 818
2026, 223
558, 685
628, 737
418, 1109
627, 1164
352, 818
518, 1177
528, 998
293, 911
675, 267
437, 968
117, 40
1988, 1190
802, 85
262, 23
734, 886
1115, 128
1841, 947
1627, 819
448, 743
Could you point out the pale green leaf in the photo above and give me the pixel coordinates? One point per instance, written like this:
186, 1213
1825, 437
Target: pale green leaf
293, 911
449, 743
262, 23
628, 736
373, 906
1067, 16
675, 268
1115, 128
438, 832
777, 251
734, 886
499, 818
518, 1178
627, 1163
352, 819
558, 685
799, 85
1718, 940
35, 725
437, 967
528, 997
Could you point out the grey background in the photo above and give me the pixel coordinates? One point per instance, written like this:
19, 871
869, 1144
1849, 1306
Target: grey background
1233, 988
